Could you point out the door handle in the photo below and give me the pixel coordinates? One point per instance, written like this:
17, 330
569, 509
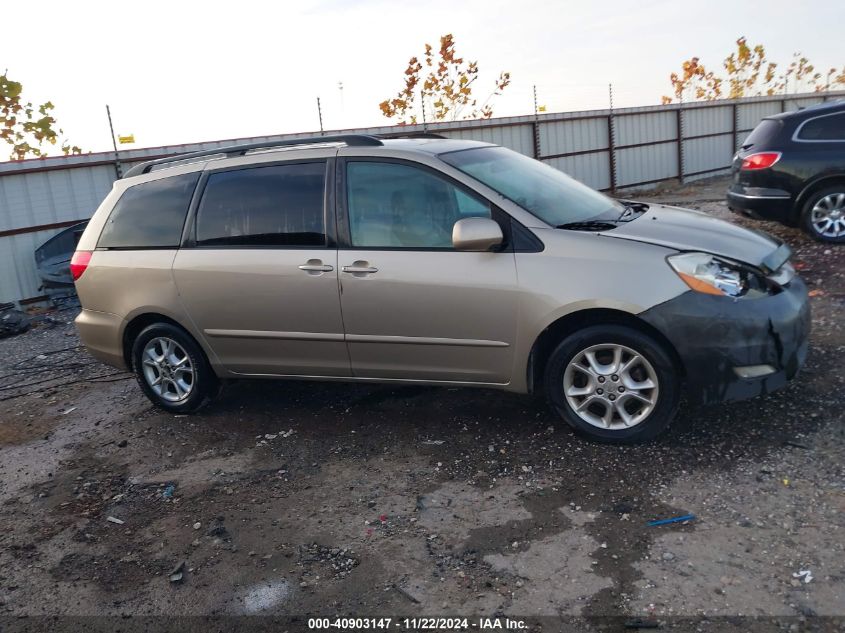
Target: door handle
316, 266
360, 268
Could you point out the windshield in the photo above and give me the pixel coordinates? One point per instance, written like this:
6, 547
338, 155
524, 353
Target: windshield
546, 192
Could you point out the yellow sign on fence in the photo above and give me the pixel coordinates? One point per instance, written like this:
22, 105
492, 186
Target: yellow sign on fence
125, 140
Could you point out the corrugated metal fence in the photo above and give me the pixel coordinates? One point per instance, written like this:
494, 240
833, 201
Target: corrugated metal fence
606, 149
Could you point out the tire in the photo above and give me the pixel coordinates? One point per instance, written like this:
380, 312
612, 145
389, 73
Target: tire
825, 204
636, 421
188, 382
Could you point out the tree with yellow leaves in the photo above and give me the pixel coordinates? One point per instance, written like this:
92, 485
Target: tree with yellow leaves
442, 84
750, 74
25, 127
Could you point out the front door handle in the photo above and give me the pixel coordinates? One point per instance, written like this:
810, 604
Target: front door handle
360, 268
316, 266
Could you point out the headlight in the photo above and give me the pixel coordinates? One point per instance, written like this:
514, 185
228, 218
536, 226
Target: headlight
716, 276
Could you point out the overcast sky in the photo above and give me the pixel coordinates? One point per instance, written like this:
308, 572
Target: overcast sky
182, 71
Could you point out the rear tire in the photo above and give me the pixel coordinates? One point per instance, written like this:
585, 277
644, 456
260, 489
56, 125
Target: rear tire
172, 369
613, 384
823, 215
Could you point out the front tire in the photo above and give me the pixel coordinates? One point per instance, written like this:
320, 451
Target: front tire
823, 216
613, 384
172, 369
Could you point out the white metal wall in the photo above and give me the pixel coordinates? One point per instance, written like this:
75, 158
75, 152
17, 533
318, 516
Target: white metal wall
605, 149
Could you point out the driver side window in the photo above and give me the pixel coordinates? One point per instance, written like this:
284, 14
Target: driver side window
393, 205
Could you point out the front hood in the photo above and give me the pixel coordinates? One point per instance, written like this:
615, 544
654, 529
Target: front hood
687, 230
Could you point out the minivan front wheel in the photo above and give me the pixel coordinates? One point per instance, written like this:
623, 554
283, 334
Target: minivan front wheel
613, 383
172, 369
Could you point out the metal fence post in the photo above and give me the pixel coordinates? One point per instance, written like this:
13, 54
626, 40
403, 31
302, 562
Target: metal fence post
735, 126
611, 141
680, 124
611, 151
536, 127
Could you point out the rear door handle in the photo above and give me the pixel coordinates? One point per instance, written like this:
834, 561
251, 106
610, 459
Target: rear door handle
316, 266
357, 268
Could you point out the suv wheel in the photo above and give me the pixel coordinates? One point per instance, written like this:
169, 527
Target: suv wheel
613, 384
172, 369
824, 214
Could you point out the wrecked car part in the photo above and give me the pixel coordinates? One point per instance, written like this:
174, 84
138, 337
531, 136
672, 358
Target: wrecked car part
719, 338
52, 261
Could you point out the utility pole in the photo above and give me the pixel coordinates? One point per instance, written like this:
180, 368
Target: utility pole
118, 168
320, 114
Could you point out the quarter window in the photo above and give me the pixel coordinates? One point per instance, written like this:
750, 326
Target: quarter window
150, 215
823, 128
398, 206
278, 205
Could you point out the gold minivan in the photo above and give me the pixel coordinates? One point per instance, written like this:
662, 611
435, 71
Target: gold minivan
431, 261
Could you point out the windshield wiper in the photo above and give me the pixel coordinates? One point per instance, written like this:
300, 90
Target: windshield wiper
630, 209
588, 225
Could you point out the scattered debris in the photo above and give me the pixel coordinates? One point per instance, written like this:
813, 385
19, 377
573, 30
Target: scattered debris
168, 491
805, 574
197, 525
12, 321
66, 411
122, 444
796, 445
115, 520
178, 572
434, 442
680, 519
407, 594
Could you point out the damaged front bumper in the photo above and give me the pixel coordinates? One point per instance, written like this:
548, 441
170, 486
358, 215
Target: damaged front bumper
736, 349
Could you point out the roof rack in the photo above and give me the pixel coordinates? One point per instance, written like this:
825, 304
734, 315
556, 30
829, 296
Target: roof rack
412, 135
360, 140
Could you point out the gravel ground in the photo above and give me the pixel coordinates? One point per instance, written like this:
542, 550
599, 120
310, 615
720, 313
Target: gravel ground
291, 498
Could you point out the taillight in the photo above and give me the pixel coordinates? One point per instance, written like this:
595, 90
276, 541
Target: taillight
78, 263
761, 160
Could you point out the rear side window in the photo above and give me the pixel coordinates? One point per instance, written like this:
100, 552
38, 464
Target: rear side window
150, 215
823, 128
763, 134
278, 205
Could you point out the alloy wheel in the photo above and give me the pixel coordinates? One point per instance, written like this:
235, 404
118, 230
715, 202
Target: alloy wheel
167, 369
828, 215
611, 386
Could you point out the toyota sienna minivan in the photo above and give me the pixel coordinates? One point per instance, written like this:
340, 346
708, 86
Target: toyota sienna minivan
431, 261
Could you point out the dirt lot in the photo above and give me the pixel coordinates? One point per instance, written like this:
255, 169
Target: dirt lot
305, 498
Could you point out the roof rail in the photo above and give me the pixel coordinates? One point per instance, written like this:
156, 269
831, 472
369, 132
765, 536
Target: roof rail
239, 150
412, 135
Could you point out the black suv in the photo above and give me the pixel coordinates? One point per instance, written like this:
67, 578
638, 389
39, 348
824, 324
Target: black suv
791, 168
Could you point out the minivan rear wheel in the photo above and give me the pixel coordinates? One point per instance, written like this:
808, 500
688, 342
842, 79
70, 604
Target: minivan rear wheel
613, 384
172, 369
823, 215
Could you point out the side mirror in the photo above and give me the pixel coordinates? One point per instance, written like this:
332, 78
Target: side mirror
476, 234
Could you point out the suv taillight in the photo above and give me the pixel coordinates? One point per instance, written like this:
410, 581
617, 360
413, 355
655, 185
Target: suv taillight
79, 263
760, 160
